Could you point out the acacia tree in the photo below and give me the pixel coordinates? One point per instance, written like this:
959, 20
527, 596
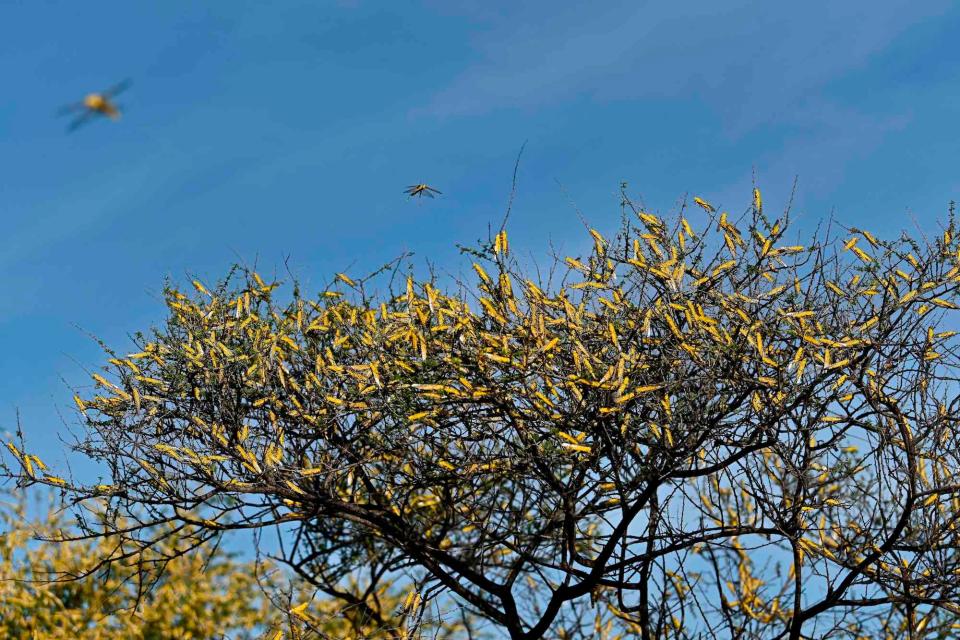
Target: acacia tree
56, 589
694, 430
198, 596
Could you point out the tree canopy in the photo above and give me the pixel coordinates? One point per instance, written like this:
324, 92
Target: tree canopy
63, 591
698, 428
201, 596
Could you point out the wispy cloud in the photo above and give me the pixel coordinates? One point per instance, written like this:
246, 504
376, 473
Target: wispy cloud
748, 59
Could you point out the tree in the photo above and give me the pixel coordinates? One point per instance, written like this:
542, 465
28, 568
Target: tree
198, 596
56, 590
694, 430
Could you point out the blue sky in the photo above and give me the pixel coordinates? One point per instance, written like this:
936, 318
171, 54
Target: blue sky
258, 131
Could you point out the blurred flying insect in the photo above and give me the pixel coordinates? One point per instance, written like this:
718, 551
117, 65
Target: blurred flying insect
420, 190
94, 105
